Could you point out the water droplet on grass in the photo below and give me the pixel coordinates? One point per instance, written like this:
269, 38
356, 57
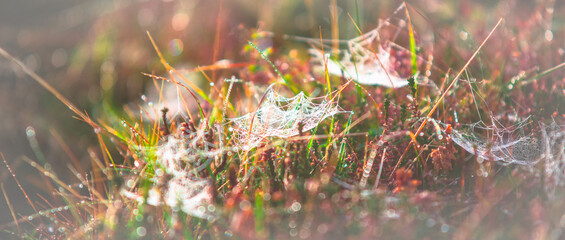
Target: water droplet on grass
141, 231
444, 228
30, 131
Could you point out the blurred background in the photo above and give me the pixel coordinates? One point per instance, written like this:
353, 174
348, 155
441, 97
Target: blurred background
94, 53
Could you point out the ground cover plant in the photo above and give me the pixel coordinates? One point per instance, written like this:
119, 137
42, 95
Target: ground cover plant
411, 127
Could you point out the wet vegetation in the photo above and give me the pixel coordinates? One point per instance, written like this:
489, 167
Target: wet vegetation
226, 120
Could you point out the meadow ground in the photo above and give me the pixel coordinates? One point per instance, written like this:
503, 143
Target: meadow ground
282, 119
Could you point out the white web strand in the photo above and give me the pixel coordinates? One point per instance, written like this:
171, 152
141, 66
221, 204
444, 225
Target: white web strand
502, 145
511, 146
281, 117
180, 157
360, 63
362, 66
553, 142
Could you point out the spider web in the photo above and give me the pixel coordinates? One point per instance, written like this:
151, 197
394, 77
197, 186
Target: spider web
359, 61
495, 141
553, 142
361, 65
513, 145
505, 145
278, 116
179, 158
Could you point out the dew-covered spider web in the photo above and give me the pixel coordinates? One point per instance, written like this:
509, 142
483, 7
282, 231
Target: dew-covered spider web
361, 61
504, 145
361, 64
526, 142
553, 145
282, 117
495, 141
511, 145
177, 182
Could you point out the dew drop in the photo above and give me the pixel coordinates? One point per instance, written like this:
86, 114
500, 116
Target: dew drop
201, 209
30, 131
548, 35
211, 84
444, 228
292, 224
463, 35
211, 208
293, 232
130, 183
296, 207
